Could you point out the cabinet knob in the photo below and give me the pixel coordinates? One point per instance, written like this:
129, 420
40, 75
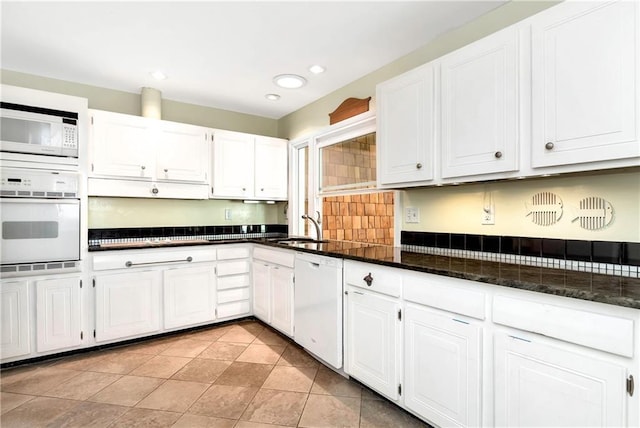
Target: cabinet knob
262, 189
166, 170
155, 190
498, 155
549, 146
368, 279
419, 165
142, 167
244, 189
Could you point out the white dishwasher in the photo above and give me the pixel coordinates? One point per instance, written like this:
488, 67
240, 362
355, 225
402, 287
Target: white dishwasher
318, 306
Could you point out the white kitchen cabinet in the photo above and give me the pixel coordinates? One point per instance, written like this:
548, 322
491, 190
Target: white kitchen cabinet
15, 314
586, 80
127, 304
442, 366
262, 291
372, 340
273, 288
271, 168
140, 157
539, 384
233, 167
406, 127
58, 313
247, 166
480, 107
189, 296
121, 146
233, 279
282, 299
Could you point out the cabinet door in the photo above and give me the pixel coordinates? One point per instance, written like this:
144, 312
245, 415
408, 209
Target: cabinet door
442, 367
537, 384
373, 341
189, 296
586, 81
480, 107
271, 168
261, 291
406, 119
58, 313
127, 304
282, 299
233, 168
182, 152
15, 314
121, 146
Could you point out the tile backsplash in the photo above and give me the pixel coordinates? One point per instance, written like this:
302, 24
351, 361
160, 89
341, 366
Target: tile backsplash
362, 218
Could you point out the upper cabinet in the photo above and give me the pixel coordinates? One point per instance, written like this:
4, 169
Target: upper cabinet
406, 127
585, 77
182, 152
479, 90
248, 166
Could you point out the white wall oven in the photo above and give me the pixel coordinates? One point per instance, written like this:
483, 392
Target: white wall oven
40, 221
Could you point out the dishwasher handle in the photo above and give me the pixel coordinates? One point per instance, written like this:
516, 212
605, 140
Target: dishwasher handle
131, 264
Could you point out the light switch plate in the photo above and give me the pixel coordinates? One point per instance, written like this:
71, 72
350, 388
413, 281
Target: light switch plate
227, 213
412, 215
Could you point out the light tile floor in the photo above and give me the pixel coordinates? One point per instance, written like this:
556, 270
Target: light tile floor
241, 375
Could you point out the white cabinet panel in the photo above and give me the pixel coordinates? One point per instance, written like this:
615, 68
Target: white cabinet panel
127, 304
585, 83
262, 291
271, 168
189, 296
443, 367
537, 384
282, 299
14, 313
57, 313
406, 127
480, 107
121, 146
233, 309
233, 167
182, 152
373, 341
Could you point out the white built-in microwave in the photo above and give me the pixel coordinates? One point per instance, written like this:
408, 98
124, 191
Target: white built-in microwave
37, 130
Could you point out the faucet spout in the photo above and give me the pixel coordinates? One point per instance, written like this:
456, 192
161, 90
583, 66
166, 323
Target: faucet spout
315, 223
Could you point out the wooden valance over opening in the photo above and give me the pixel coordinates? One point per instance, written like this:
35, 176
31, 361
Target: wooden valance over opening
349, 108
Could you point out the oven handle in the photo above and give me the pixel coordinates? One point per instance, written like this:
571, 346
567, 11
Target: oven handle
70, 201
131, 264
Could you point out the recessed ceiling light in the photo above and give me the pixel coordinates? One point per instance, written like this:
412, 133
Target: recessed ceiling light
158, 75
272, 97
317, 69
289, 81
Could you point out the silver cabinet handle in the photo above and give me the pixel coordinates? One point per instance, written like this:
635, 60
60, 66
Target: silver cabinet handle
155, 190
498, 155
549, 146
419, 165
131, 264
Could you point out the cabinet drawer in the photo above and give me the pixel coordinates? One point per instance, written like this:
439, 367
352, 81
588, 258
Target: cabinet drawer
283, 258
130, 259
232, 268
449, 294
233, 295
594, 330
384, 280
229, 253
233, 309
233, 281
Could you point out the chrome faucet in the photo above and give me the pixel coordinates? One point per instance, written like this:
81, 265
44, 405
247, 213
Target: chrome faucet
315, 223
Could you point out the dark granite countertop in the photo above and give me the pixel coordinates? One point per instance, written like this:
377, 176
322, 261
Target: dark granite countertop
614, 290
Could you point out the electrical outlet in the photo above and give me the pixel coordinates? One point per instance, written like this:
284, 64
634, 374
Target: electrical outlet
227, 213
412, 215
488, 217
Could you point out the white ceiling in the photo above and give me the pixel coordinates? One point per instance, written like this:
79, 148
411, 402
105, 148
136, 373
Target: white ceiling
221, 54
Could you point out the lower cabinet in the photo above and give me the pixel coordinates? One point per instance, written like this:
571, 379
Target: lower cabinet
442, 366
127, 304
58, 313
372, 340
15, 312
233, 281
273, 288
539, 384
189, 296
